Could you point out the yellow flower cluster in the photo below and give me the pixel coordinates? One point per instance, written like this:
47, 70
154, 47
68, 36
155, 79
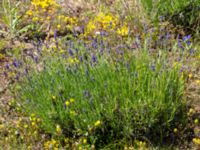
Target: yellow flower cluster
191, 112
68, 102
58, 129
196, 141
42, 10
97, 123
73, 61
103, 21
140, 144
123, 31
44, 4
66, 22
106, 22
51, 144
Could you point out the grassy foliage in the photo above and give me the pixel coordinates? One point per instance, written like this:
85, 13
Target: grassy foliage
137, 97
102, 79
184, 13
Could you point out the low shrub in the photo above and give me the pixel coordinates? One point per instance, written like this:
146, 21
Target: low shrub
106, 101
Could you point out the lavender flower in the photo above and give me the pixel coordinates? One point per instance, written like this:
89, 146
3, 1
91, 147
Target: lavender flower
82, 30
26, 71
94, 43
192, 51
168, 36
5, 74
80, 58
161, 18
186, 38
15, 63
153, 67
94, 58
70, 52
55, 35
17, 76
7, 66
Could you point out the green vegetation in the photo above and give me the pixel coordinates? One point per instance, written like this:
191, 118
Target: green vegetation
120, 75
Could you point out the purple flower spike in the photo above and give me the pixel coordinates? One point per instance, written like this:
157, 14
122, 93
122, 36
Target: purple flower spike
186, 38
153, 67
5, 74
168, 35
192, 51
55, 35
15, 63
7, 66
162, 18
70, 52
94, 58
17, 76
81, 58
82, 30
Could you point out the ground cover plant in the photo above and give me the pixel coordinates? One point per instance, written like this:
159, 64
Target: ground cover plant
99, 76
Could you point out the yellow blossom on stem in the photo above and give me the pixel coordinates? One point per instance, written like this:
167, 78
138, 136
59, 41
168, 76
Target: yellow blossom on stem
58, 26
71, 100
97, 123
58, 129
196, 141
84, 141
175, 130
190, 75
196, 121
67, 103
1, 126
123, 31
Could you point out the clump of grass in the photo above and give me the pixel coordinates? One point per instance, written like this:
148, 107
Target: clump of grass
104, 100
182, 13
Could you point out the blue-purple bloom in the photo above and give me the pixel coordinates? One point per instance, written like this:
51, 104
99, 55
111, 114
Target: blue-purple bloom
153, 67
70, 52
7, 66
168, 35
186, 38
15, 63
55, 34
94, 58
162, 18
80, 58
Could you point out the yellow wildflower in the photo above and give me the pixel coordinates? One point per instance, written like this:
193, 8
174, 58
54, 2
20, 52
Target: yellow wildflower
58, 26
52, 144
191, 111
198, 81
53, 97
48, 17
67, 103
1, 126
71, 100
175, 130
29, 13
73, 60
33, 123
123, 31
25, 126
196, 141
58, 129
190, 75
97, 123
196, 121
34, 19
72, 112
84, 141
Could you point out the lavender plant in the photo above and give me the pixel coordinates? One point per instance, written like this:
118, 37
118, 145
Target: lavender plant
105, 97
